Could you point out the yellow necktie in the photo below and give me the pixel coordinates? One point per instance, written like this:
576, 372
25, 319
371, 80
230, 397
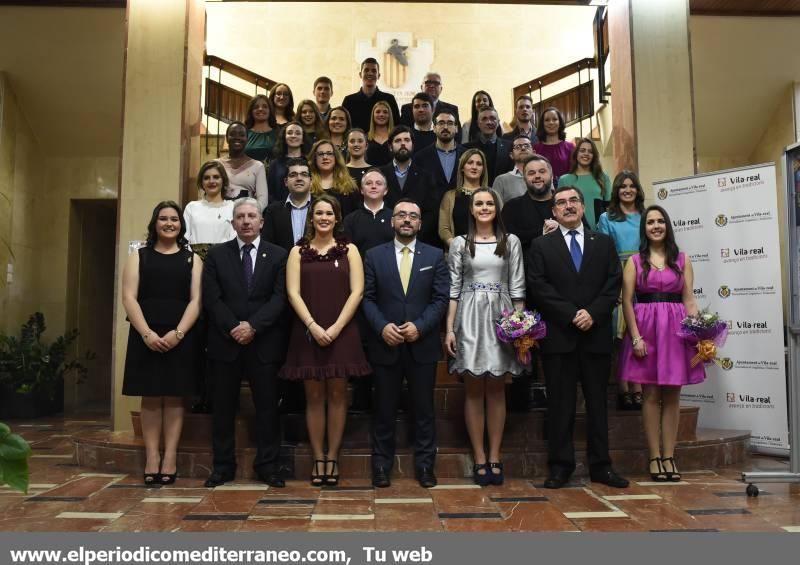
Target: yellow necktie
405, 268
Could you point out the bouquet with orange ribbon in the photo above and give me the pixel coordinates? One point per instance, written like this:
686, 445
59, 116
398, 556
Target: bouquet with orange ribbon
521, 328
707, 333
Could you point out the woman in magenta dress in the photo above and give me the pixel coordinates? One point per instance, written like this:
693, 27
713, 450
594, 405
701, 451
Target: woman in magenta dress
325, 283
656, 296
552, 133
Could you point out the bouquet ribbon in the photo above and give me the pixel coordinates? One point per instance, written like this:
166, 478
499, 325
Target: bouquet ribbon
706, 352
523, 345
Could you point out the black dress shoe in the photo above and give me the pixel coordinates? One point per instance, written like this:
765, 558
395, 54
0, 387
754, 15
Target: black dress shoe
218, 478
556, 479
609, 478
380, 478
426, 478
271, 477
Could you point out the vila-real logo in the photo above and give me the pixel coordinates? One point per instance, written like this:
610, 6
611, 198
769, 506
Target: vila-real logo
663, 193
726, 363
721, 220
721, 182
724, 291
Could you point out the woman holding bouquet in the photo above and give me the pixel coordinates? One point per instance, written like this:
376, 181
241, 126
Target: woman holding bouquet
660, 279
487, 277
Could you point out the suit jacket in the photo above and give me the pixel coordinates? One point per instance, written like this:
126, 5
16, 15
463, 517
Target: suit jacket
419, 187
424, 304
228, 302
558, 291
428, 159
407, 113
278, 225
502, 157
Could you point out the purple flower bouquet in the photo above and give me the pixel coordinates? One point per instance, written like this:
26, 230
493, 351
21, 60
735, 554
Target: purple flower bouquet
522, 328
707, 333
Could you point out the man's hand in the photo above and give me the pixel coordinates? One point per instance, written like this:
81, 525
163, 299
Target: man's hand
583, 320
243, 333
409, 331
549, 225
392, 335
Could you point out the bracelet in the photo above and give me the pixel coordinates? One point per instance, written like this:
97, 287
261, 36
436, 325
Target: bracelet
311, 323
636, 341
451, 332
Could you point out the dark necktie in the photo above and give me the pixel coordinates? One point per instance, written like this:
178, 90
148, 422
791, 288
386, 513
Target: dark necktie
575, 250
247, 264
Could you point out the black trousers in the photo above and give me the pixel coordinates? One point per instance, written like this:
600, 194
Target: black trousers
387, 385
562, 374
227, 378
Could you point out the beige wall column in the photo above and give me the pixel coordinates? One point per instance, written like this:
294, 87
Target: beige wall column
161, 54
659, 70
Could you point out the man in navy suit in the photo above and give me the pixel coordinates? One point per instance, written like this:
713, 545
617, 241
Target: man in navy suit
244, 293
406, 294
573, 279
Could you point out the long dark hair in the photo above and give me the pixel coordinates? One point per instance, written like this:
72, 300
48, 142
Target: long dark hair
595, 167
614, 209
289, 112
152, 236
281, 148
562, 125
249, 121
500, 233
473, 120
309, 232
670, 247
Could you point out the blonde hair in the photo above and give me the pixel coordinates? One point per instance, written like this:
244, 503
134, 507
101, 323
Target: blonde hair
343, 183
463, 161
389, 126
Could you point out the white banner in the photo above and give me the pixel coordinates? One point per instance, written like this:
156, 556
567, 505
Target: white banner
727, 223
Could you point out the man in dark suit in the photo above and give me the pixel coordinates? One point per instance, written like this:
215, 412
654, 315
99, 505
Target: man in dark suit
284, 224
441, 158
405, 179
244, 293
406, 293
496, 149
432, 86
573, 279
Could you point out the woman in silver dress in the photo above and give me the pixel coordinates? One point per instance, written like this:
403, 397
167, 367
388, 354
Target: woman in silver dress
486, 278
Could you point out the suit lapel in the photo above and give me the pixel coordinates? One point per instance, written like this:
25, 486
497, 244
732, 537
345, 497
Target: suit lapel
415, 263
236, 263
392, 267
262, 257
589, 243
560, 245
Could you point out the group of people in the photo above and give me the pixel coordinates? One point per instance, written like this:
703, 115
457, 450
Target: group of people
370, 267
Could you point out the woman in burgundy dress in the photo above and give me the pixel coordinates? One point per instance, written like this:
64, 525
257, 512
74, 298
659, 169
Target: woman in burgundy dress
325, 283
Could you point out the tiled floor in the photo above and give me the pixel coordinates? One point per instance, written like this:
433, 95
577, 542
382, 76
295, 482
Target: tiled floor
64, 497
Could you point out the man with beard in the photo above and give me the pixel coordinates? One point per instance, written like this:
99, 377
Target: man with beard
531, 215
406, 293
405, 179
523, 120
512, 184
441, 158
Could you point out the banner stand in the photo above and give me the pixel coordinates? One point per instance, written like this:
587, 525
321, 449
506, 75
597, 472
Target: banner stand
791, 169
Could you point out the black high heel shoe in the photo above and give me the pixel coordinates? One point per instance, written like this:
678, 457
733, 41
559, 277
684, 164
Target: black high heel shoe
497, 478
167, 478
152, 479
660, 476
318, 479
332, 478
481, 479
672, 476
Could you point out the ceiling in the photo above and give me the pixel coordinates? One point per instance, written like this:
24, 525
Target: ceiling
65, 66
741, 69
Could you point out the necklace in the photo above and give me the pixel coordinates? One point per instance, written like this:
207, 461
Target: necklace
657, 267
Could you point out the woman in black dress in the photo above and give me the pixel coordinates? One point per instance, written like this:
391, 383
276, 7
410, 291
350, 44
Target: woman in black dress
161, 295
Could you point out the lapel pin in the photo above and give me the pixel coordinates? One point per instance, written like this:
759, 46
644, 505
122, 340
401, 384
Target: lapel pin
336, 264
263, 254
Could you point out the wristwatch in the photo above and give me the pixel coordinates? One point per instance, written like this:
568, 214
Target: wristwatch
179, 334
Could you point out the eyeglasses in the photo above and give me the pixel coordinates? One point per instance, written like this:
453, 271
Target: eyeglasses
403, 215
521, 146
432, 83
325, 153
295, 174
443, 123
562, 202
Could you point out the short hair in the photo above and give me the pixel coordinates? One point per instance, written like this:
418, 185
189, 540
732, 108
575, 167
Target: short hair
520, 136
213, 165
152, 236
440, 110
297, 162
566, 188
372, 170
397, 131
424, 96
232, 125
246, 201
523, 97
537, 157
488, 109
370, 61
408, 201
432, 73
325, 80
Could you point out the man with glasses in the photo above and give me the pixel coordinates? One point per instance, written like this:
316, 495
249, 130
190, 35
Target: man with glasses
360, 103
441, 158
523, 119
496, 149
432, 86
512, 184
573, 279
406, 293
